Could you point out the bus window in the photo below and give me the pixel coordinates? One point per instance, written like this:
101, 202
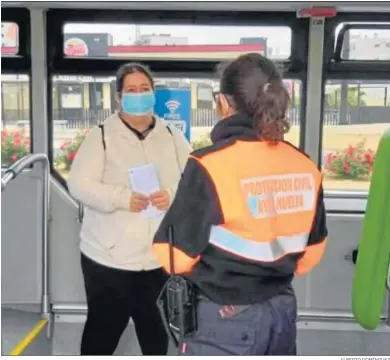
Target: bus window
370, 44
356, 113
174, 42
82, 102
15, 118
9, 39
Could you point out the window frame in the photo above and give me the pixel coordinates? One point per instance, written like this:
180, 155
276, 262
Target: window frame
56, 19
20, 64
360, 26
336, 68
294, 68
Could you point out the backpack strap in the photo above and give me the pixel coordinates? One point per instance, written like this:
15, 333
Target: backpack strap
176, 151
81, 205
103, 138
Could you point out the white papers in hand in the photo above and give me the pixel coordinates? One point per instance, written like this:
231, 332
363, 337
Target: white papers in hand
143, 180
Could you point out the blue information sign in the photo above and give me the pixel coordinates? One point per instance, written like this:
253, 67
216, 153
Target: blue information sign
174, 106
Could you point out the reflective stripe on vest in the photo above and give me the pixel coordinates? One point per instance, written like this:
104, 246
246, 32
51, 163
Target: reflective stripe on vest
257, 251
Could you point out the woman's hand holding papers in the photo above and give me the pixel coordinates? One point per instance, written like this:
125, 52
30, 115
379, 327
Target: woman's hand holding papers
160, 200
138, 202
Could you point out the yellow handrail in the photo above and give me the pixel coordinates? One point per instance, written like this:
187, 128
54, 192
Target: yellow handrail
29, 338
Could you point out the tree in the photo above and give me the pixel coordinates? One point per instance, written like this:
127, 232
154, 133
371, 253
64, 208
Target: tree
296, 101
334, 98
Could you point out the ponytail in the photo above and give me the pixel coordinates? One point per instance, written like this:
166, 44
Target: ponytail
256, 89
270, 108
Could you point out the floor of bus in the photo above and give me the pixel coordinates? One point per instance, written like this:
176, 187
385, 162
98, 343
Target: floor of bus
16, 324
347, 341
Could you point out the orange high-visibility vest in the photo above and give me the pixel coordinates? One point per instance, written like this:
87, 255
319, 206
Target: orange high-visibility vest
271, 225
268, 196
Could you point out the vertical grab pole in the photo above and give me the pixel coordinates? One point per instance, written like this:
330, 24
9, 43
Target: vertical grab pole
39, 112
46, 311
46, 301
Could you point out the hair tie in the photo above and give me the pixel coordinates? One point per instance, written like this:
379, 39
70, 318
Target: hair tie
266, 86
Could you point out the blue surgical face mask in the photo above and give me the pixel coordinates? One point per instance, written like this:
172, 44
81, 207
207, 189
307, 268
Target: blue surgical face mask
138, 104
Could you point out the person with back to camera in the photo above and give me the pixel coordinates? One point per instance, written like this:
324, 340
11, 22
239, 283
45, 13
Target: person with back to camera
122, 276
249, 215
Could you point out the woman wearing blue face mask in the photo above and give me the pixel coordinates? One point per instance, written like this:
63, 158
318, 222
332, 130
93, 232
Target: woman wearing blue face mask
121, 275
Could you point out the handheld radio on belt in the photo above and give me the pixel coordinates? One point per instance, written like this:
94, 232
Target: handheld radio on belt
178, 311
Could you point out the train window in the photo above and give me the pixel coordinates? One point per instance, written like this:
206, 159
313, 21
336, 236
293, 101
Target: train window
15, 118
82, 102
366, 44
9, 39
356, 113
182, 42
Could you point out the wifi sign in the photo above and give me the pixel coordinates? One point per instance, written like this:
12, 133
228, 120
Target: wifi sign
172, 105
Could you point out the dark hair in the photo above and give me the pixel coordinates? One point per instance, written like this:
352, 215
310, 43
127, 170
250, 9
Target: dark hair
254, 86
131, 68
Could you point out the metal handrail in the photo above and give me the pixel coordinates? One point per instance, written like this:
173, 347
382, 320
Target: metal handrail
11, 173
80, 215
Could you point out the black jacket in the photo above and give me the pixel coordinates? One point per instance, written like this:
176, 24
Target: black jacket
221, 276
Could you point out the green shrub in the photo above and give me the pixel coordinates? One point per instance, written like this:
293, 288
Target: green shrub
204, 141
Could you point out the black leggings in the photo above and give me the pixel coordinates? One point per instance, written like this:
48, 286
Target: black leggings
113, 297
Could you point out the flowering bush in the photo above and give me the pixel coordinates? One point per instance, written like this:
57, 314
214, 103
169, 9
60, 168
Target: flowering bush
353, 162
68, 151
14, 145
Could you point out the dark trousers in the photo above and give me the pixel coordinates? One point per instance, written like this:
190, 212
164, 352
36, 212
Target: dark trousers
113, 297
268, 328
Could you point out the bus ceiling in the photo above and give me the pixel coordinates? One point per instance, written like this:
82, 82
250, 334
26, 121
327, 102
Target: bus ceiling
284, 6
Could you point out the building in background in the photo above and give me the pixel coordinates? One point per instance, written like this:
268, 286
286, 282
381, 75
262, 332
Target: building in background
87, 45
256, 41
183, 52
160, 40
371, 46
